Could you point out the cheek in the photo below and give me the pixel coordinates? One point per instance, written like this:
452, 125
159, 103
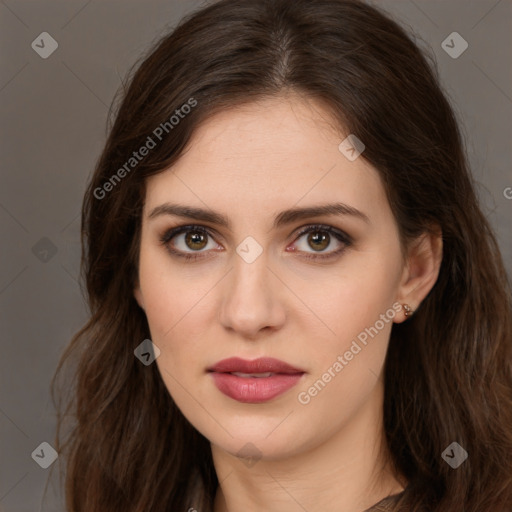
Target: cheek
346, 362
352, 336
345, 301
170, 296
176, 319
178, 309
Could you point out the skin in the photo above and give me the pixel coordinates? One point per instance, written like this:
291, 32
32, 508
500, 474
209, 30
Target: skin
250, 163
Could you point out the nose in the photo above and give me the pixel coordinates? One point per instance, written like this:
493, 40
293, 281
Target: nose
253, 299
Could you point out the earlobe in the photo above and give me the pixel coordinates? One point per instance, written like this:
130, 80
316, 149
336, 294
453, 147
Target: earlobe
420, 272
138, 297
407, 310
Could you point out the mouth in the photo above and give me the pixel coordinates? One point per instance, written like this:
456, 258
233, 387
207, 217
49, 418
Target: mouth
254, 381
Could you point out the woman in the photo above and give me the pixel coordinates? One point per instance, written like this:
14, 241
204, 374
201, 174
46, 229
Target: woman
296, 301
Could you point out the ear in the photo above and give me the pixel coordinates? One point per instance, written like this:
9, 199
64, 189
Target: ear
423, 261
138, 295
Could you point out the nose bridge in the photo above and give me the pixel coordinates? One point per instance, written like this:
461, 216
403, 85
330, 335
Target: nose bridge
251, 302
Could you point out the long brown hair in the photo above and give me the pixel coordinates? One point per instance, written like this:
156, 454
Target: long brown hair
448, 373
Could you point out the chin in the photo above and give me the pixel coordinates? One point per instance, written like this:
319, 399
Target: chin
262, 440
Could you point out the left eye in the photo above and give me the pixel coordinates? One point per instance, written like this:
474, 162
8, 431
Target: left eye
196, 239
320, 237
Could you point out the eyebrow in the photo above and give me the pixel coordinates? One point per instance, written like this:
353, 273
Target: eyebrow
283, 218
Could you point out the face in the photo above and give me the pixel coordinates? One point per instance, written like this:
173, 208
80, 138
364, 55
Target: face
317, 292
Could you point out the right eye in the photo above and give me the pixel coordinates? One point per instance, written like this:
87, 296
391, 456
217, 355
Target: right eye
190, 241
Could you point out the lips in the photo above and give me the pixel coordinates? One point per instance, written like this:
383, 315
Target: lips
261, 365
254, 381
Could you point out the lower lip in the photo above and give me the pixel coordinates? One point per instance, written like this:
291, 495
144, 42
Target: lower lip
254, 390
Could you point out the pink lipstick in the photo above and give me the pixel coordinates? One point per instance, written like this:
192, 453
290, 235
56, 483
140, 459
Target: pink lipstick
254, 381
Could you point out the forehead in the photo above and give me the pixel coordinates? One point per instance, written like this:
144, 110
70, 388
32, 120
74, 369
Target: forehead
266, 156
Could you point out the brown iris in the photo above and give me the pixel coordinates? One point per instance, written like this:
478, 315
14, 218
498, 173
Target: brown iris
320, 240
194, 238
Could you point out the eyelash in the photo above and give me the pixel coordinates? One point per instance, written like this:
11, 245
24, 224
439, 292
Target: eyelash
342, 237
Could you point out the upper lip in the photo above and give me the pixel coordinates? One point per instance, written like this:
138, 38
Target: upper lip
261, 365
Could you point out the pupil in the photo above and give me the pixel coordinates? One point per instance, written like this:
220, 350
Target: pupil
318, 239
195, 239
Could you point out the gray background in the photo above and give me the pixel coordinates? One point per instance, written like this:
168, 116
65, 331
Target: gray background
53, 115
